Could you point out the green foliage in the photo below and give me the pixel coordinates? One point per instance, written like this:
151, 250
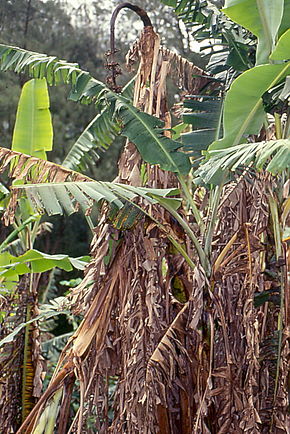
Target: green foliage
101, 132
272, 156
146, 133
84, 87
224, 45
142, 129
285, 19
68, 31
47, 26
54, 198
205, 119
33, 261
244, 113
172, 3
33, 127
194, 11
282, 49
262, 18
58, 306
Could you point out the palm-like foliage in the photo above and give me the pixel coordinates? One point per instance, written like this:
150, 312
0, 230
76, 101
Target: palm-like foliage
68, 196
146, 130
98, 135
272, 156
204, 114
54, 70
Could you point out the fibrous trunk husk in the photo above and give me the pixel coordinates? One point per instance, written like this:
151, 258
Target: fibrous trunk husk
21, 363
140, 306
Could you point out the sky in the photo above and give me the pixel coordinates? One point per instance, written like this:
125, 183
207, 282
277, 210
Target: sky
110, 5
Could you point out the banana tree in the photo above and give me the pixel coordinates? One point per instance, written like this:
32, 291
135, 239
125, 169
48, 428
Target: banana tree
19, 275
218, 354
164, 151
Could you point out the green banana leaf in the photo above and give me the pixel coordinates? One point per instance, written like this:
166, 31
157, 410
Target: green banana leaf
142, 129
98, 135
282, 49
285, 19
33, 133
146, 132
262, 17
55, 198
243, 109
205, 119
34, 261
272, 156
57, 306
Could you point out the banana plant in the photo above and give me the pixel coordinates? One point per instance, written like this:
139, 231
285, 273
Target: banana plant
243, 117
240, 148
33, 134
243, 100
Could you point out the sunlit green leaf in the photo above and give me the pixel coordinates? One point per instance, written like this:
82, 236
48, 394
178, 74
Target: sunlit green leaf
243, 110
262, 18
33, 127
282, 49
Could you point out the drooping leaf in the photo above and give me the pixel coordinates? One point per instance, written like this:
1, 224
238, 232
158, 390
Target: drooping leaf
243, 109
205, 119
83, 86
272, 156
262, 18
33, 132
34, 261
146, 133
98, 135
37, 169
142, 129
47, 197
58, 306
57, 196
